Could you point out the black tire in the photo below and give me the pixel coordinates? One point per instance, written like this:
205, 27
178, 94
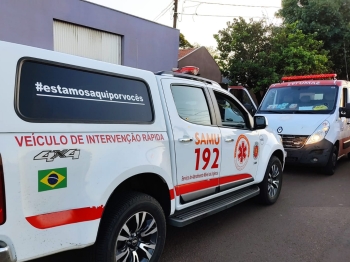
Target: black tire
332, 162
271, 185
126, 209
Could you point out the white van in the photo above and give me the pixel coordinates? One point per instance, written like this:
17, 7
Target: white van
312, 116
98, 154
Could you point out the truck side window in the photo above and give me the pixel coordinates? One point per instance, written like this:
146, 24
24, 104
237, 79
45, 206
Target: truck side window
231, 115
191, 104
49, 92
344, 98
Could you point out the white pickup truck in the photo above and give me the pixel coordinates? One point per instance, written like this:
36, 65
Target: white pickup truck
101, 155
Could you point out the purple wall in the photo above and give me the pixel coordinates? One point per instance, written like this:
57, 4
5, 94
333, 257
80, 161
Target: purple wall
145, 45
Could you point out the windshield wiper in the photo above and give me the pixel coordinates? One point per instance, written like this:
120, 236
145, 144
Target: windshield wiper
306, 112
272, 111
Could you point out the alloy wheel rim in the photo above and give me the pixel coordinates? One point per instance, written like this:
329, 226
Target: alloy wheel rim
273, 181
137, 239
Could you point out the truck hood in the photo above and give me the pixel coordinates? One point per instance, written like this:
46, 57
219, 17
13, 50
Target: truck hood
294, 124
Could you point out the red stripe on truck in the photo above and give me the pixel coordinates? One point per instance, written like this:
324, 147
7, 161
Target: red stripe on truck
172, 194
196, 186
65, 217
233, 178
204, 184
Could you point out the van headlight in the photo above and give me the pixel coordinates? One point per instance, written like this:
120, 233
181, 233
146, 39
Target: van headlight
319, 133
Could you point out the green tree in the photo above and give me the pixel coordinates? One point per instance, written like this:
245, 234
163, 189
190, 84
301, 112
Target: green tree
183, 43
329, 20
244, 49
295, 53
257, 54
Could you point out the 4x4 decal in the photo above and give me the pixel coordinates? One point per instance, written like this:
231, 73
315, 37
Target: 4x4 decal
51, 155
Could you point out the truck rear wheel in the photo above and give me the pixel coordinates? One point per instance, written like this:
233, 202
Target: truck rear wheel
133, 230
270, 187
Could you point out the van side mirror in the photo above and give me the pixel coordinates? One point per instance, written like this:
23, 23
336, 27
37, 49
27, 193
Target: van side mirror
345, 111
260, 122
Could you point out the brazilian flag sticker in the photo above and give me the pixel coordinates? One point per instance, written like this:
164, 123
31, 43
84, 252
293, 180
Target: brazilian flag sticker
51, 179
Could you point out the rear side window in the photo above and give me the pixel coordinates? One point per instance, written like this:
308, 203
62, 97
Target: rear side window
191, 104
55, 93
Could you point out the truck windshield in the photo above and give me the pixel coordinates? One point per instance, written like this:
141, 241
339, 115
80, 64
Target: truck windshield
300, 100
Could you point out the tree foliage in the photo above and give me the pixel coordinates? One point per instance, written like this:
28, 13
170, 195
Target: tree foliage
328, 20
244, 53
183, 43
295, 53
257, 54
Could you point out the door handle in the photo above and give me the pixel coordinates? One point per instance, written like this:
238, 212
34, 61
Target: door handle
184, 140
229, 140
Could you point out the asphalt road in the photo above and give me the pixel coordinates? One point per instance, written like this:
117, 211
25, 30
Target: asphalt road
309, 222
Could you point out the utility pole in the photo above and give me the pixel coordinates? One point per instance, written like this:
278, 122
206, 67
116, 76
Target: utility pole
175, 13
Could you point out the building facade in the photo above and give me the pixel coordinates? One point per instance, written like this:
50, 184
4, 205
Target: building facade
85, 29
201, 58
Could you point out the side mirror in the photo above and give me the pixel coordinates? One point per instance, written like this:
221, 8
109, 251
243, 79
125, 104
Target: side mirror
345, 111
260, 122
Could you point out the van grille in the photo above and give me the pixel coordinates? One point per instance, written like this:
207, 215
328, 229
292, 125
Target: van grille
290, 141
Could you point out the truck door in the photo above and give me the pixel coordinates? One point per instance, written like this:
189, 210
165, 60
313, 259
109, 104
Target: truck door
196, 139
240, 145
344, 147
244, 97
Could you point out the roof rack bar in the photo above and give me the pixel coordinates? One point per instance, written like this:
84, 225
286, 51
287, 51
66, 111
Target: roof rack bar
191, 77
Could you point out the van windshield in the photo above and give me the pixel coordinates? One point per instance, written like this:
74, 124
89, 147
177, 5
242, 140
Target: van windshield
300, 100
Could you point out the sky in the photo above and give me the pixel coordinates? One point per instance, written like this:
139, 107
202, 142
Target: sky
209, 20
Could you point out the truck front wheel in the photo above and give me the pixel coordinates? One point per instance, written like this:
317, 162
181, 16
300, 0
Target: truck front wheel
270, 187
133, 230
332, 162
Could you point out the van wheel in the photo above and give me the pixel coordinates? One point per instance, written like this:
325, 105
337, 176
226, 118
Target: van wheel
270, 187
133, 230
332, 162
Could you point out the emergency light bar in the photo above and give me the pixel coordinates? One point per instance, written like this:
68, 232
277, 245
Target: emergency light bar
191, 70
309, 77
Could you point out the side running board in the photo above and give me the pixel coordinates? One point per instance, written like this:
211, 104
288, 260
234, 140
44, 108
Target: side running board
195, 213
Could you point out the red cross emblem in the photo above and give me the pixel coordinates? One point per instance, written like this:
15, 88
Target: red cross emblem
242, 152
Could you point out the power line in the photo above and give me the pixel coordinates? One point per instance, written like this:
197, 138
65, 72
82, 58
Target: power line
212, 3
222, 15
164, 11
